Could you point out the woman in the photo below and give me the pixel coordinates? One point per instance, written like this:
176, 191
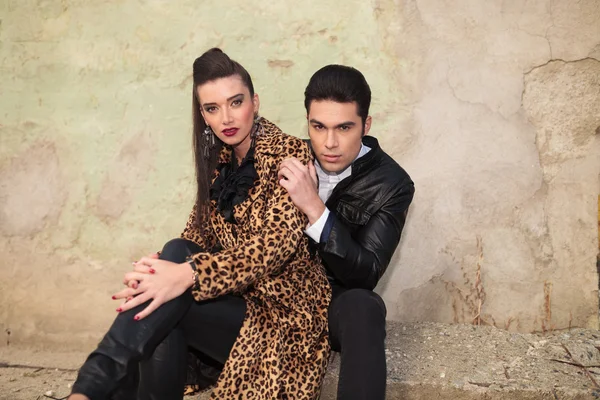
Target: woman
242, 257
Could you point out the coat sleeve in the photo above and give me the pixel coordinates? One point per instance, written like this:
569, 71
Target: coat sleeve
234, 269
359, 260
206, 238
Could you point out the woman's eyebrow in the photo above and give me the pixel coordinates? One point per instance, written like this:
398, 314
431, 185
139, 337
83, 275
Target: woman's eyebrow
228, 99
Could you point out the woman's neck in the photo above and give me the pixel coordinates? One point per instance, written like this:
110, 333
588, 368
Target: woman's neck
240, 151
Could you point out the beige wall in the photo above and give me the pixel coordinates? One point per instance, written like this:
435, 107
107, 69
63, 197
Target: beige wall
493, 108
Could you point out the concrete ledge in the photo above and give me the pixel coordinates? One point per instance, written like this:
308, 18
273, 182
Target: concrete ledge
425, 361
438, 361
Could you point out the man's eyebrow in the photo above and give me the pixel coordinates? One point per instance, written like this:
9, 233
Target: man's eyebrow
229, 99
346, 123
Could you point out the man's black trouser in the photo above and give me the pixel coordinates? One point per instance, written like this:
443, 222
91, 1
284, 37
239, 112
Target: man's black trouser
159, 342
357, 330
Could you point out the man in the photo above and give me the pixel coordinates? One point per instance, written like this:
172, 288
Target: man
356, 213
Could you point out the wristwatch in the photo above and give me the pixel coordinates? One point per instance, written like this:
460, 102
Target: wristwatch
195, 277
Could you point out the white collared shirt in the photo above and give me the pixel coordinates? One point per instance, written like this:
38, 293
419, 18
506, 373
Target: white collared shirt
327, 182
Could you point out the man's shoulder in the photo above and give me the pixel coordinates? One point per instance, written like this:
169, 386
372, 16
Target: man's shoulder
387, 171
379, 181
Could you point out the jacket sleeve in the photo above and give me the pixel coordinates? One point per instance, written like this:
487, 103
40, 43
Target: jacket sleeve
234, 269
206, 239
360, 261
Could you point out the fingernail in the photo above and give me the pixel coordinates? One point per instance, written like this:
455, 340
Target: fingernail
114, 297
152, 270
137, 318
119, 309
129, 299
135, 285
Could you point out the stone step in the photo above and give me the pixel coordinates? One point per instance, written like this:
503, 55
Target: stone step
438, 361
426, 361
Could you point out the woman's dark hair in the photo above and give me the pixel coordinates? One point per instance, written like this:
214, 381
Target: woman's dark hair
211, 65
341, 84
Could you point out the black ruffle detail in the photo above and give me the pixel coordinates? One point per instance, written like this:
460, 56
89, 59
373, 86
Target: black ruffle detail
233, 184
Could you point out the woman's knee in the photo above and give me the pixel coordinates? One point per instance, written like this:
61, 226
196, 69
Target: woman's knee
177, 250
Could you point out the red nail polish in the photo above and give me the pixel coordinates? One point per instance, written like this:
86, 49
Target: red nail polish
152, 270
114, 297
137, 318
135, 285
119, 309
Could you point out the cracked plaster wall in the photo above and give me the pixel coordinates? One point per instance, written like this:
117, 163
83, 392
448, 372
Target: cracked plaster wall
493, 108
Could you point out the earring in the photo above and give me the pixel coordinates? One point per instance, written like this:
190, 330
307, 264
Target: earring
257, 126
208, 137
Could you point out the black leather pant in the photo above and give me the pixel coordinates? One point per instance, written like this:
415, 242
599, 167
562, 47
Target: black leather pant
357, 329
157, 345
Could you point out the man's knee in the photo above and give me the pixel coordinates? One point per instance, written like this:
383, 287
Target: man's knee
176, 250
357, 321
359, 305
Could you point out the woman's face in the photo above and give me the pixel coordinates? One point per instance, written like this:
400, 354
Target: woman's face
229, 110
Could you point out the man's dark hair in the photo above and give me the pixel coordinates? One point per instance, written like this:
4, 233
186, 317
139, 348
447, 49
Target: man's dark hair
341, 84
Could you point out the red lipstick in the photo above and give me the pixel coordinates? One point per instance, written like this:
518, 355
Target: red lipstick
230, 131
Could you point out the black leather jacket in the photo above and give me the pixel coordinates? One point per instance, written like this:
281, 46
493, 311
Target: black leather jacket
368, 211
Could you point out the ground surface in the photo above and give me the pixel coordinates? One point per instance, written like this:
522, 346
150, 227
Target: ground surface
425, 361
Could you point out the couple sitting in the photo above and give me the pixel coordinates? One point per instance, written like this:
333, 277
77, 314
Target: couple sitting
278, 259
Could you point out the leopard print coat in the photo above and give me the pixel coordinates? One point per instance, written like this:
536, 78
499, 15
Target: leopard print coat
282, 349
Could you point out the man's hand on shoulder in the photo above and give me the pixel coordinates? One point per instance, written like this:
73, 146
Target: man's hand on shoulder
301, 183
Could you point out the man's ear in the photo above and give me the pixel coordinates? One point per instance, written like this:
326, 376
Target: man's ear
367, 126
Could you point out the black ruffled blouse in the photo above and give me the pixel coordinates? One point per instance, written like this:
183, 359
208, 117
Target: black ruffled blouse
233, 184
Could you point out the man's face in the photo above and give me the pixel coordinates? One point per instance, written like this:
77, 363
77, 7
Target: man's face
336, 132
